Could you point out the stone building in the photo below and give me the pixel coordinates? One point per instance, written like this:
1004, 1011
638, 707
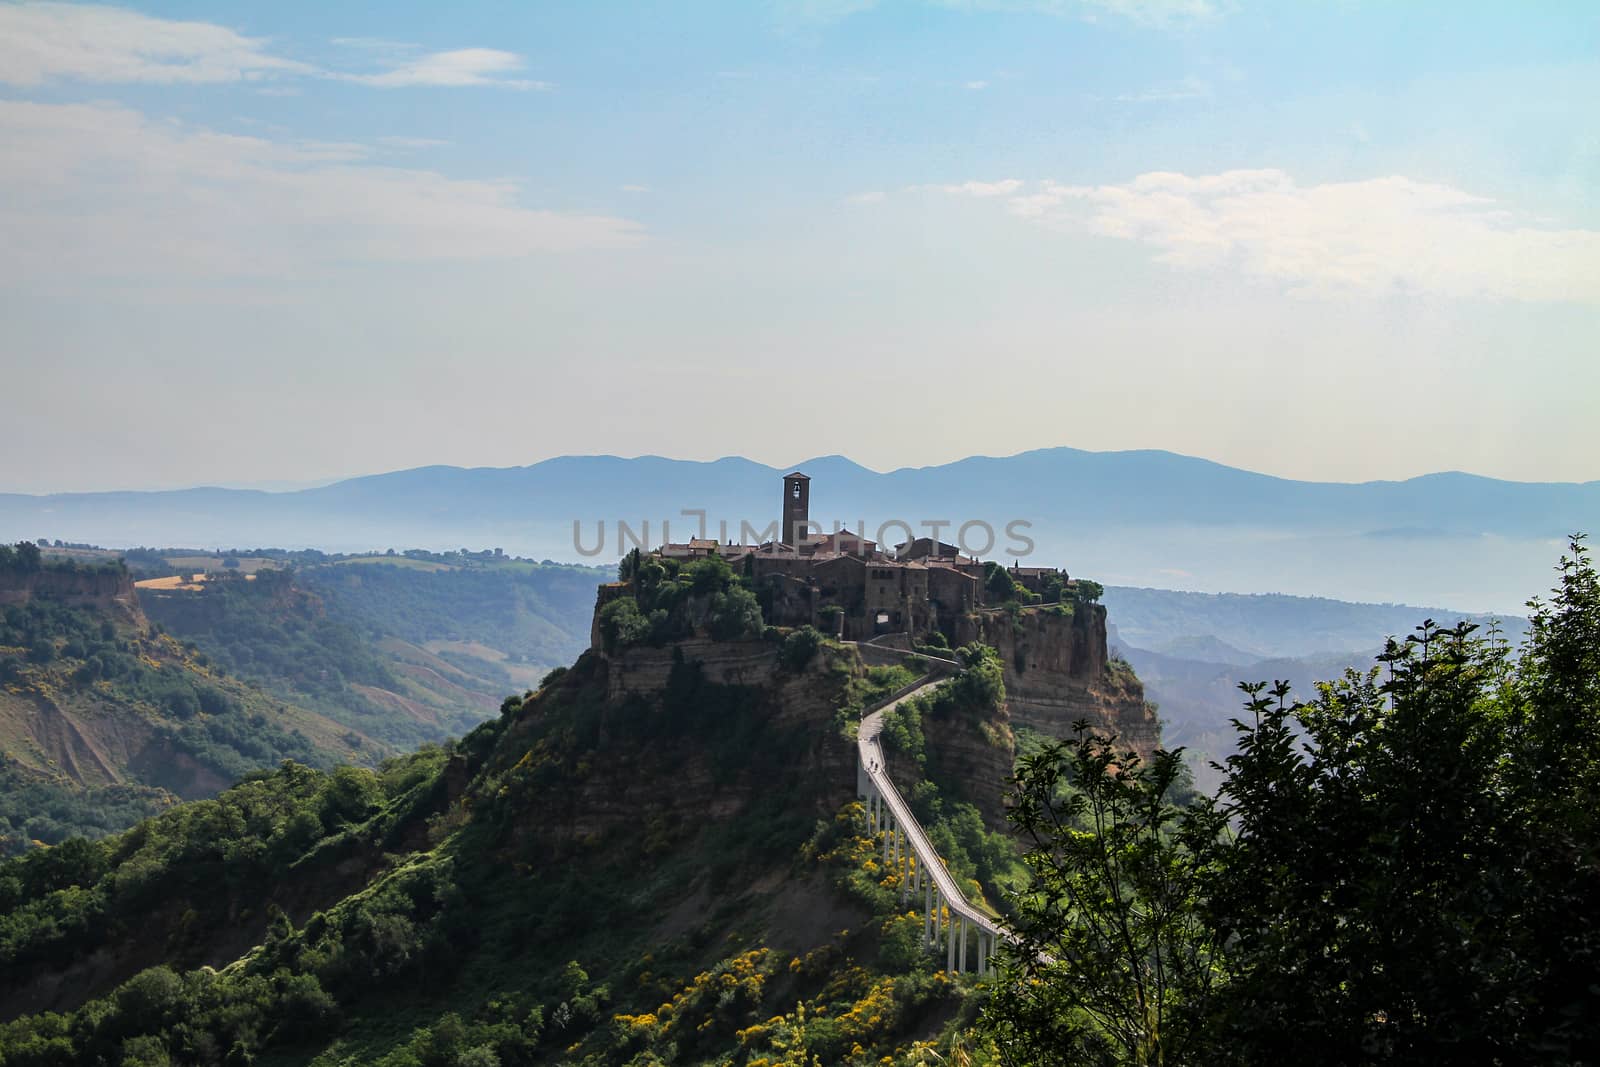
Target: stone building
844, 583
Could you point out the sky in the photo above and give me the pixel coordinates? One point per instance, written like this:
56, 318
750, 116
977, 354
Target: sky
272, 244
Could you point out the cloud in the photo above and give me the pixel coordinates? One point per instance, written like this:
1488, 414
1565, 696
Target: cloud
982, 190
411, 142
975, 85
1378, 235
454, 69
635, 188
48, 42
42, 42
872, 197
99, 190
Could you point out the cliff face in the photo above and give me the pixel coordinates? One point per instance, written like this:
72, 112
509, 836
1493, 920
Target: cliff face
971, 756
108, 591
644, 671
667, 742
1057, 672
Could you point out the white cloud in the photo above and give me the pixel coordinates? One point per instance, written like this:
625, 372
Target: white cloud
99, 190
975, 85
47, 42
41, 42
982, 190
636, 188
872, 197
1380, 234
454, 69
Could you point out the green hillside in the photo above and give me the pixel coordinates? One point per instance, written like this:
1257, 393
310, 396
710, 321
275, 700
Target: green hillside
674, 876
104, 720
405, 649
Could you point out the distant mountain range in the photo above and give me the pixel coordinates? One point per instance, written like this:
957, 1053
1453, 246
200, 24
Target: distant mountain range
1132, 518
1192, 650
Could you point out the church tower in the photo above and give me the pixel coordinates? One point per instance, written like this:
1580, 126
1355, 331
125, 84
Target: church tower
796, 508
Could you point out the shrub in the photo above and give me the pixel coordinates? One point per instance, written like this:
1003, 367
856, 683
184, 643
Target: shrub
799, 648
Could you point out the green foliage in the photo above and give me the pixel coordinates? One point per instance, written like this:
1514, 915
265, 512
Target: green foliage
49, 812
672, 600
622, 625
535, 614
901, 733
999, 584
1113, 911
433, 896
25, 557
270, 633
1404, 869
198, 713
60, 901
1088, 591
734, 615
799, 648
161, 1017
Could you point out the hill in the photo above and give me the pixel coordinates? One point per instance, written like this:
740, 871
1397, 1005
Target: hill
103, 719
327, 659
1134, 518
656, 858
405, 649
1240, 628
1192, 650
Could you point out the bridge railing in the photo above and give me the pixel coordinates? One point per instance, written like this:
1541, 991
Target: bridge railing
950, 920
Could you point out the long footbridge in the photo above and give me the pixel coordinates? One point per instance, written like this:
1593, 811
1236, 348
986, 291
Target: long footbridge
950, 922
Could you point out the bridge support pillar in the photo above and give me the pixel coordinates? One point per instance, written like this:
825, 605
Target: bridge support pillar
963, 962
950, 945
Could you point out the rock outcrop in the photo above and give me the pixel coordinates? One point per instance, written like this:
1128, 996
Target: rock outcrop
106, 590
695, 733
1058, 672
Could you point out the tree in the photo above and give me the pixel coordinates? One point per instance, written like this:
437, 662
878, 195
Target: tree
622, 625
735, 614
1088, 591
27, 556
1404, 868
1113, 951
999, 583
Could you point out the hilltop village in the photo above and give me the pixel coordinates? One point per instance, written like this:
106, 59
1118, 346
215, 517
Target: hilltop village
846, 585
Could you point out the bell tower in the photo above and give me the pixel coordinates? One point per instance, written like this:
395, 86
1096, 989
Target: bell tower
796, 508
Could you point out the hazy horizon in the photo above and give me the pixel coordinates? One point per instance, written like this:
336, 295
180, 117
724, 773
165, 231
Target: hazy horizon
292, 485
1334, 242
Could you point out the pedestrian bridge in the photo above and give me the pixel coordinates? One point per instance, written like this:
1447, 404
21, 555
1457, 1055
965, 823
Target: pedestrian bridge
951, 923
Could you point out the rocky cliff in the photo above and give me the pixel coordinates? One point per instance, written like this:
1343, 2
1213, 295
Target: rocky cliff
102, 589
665, 742
1057, 673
